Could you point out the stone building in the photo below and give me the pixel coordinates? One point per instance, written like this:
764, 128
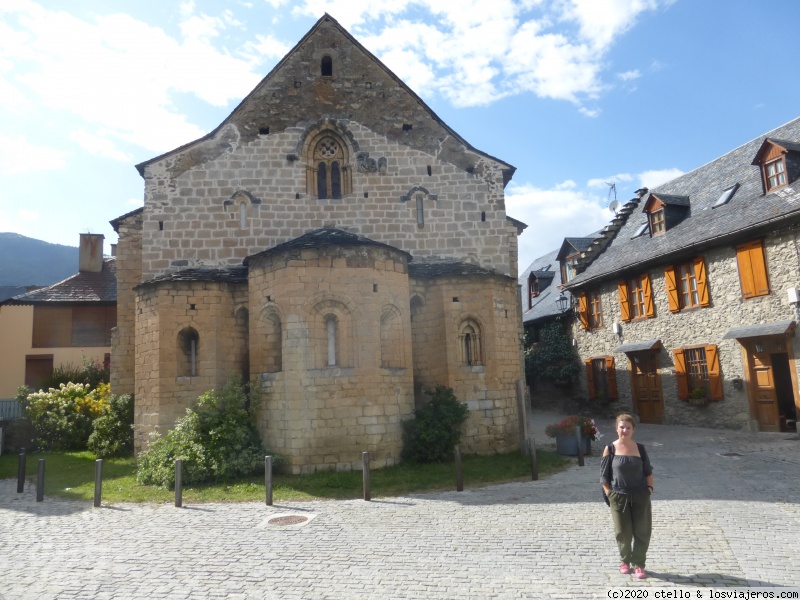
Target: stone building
337, 245
688, 299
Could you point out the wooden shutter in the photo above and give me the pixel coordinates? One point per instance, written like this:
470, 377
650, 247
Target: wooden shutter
702, 283
52, 327
611, 376
590, 379
752, 269
680, 374
714, 377
583, 310
624, 300
647, 291
671, 281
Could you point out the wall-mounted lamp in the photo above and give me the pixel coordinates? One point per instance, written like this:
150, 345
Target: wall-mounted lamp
563, 302
616, 328
794, 295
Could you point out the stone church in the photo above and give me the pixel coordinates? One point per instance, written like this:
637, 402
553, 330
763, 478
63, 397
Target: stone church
337, 245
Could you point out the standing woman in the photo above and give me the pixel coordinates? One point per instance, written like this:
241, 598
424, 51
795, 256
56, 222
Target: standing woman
627, 478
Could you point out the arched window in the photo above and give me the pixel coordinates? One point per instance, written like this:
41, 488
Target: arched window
188, 348
329, 160
326, 66
392, 346
420, 211
273, 343
330, 330
470, 338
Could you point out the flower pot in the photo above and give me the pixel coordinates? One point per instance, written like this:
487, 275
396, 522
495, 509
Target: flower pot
568, 445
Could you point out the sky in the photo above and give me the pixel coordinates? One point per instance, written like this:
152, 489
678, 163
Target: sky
576, 94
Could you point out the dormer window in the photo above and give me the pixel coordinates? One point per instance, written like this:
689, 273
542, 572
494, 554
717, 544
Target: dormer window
775, 174
657, 222
533, 289
780, 163
665, 212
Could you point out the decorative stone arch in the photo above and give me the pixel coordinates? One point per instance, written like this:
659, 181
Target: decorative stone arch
470, 341
331, 335
420, 197
270, 340
391, 331
240, 205
416, 304
188, 352
328, 148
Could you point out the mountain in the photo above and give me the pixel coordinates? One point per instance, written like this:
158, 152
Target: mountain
25, 261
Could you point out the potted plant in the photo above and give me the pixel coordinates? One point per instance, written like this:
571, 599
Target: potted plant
564, 432
698, 397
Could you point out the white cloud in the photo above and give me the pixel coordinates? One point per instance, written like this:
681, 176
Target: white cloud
552, 215
601, 21
654, 178
99, 146
18, 155
603, 182
629, 75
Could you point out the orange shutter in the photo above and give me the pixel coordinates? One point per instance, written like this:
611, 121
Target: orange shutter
702, 283
590, 379
611, 375
583, 310
680, 374
671, 280
647, 290
714, 377
745, 271
624, 300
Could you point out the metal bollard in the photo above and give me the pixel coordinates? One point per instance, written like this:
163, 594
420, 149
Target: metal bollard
21, 472
580, 444
365, 470
40, 482
178, 482
534, 464
98, 481
268, 478
459, 471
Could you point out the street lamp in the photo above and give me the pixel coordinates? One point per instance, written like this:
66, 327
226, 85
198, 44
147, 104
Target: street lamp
563, 302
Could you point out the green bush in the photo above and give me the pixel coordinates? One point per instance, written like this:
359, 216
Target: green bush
217, 440
63, 417
436, 429
113, 429
92, 373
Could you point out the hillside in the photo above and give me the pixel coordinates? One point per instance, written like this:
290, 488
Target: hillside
25, 261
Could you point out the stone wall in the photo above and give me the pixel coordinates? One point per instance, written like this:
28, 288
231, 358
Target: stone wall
698, 326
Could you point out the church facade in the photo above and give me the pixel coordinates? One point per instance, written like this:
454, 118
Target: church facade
338, 246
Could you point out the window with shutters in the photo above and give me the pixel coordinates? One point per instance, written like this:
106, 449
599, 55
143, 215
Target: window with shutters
752, 269
697, 372
687, 286
590, 310
601, 378
636, 297
533, 289
73, 326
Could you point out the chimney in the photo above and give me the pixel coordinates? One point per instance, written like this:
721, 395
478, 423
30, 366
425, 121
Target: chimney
90, 255
113, 249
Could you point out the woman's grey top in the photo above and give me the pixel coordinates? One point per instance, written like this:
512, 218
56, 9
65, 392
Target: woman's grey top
626, 474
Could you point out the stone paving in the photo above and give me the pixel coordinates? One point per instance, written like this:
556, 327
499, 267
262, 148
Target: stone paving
726, 511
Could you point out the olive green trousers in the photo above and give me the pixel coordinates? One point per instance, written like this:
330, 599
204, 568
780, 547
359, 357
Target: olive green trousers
633, 524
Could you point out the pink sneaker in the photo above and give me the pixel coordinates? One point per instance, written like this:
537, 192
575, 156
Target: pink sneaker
624, 569
639, 572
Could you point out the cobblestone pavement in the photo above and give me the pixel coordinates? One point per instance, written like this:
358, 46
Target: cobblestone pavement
726, 511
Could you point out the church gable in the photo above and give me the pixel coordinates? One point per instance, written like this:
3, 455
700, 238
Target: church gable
329, 75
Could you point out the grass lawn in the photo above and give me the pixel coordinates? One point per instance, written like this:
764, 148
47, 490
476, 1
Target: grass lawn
71, 475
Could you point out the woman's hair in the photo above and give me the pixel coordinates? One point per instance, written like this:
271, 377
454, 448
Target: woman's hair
626, 417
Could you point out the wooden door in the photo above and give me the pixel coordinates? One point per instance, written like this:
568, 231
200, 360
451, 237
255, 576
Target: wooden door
764, 396
647, 387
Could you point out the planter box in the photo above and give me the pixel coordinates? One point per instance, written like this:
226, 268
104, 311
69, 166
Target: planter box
568, 445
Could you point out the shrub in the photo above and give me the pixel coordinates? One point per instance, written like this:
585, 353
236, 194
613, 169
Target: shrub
63, 417
436, 428
217, 440
552, 358
92, 373
113, 429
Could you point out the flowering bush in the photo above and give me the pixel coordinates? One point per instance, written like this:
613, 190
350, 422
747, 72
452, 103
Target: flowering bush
568, 425
63, 417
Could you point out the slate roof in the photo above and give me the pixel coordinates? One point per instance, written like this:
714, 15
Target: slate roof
326, 236
235, 274
672, 200
545, 305
748, 214
441, 268
81, 288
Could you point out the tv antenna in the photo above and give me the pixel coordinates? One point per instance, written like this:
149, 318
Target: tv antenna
613, 204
